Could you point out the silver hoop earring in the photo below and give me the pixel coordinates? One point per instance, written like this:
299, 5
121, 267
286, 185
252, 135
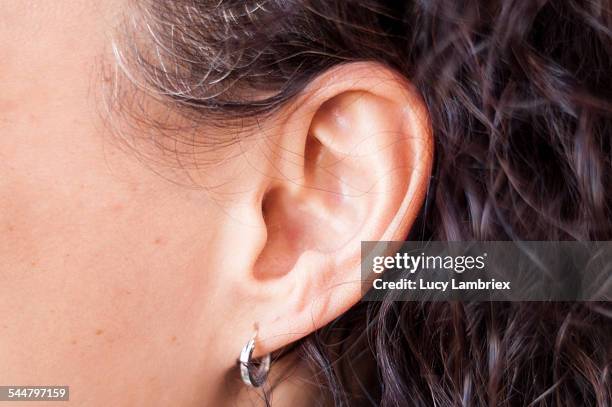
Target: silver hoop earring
253, 374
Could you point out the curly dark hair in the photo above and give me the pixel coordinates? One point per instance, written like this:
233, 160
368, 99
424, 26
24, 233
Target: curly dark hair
520, 98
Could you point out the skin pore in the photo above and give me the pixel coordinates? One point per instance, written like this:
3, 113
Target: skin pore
136, 290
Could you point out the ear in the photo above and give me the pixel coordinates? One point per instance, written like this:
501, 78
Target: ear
349, 161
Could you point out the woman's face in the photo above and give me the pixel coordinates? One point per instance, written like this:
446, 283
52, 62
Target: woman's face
120, 280
97, 291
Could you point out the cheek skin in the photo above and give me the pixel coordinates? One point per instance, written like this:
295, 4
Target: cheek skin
97, 291
89, 292
106, 281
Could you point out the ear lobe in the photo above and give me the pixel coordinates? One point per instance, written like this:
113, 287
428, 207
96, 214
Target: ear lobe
366, 159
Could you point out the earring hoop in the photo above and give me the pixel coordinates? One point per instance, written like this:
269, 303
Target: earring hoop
253, 374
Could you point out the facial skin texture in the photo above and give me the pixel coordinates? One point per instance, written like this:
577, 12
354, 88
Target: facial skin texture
137, 291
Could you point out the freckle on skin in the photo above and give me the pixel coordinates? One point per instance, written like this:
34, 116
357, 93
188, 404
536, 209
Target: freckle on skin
34, 118
158, 241
73, 342
10, 228
116, 207
99, 332
173, 339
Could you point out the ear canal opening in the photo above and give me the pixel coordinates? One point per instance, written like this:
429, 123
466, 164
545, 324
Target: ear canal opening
281, 251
